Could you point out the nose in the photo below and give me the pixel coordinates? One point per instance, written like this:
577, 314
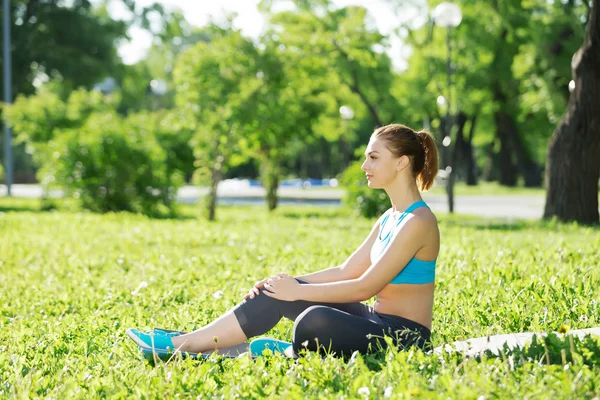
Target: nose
363, 166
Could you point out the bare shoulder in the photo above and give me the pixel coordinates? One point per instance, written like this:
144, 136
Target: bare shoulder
425, 217
424, 222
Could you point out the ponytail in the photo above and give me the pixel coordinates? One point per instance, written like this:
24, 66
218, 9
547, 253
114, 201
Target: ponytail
427, 175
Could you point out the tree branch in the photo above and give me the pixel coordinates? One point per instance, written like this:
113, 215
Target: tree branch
355, 88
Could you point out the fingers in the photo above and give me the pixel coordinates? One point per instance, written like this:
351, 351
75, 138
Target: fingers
266, 283
252, 293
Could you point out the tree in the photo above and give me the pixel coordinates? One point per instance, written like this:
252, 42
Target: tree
74, 44
349, 51
214, 82
486, 46
107, 162
573, 162
283, 109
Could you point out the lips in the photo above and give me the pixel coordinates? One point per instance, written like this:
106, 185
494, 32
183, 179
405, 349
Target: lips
369, 176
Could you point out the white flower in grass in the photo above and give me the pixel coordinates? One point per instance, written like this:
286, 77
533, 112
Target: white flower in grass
364, 391
388, 392
141, 286
218, 294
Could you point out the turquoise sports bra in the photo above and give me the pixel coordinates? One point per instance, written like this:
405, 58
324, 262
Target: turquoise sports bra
416, 271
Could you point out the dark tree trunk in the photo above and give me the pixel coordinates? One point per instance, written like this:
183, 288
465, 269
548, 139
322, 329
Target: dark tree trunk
505, 94
444, 158
502, 119
459, 151
463, 157
508, 170
530, 170
490, 170
573, 160
470, 156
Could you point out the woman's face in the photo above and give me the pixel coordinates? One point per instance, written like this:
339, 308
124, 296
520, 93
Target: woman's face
380, 166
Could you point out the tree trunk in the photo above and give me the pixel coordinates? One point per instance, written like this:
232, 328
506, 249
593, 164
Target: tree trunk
530, 170
573, 159
270, 178
505, 91
490, 170
470, 156
501, 65
212, 195
216, 175
508, 170
458, 150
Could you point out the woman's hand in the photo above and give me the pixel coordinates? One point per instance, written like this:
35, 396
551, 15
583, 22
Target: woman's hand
282, 287
255, 291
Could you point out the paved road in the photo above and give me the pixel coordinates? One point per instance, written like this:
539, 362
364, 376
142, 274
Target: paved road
513, 206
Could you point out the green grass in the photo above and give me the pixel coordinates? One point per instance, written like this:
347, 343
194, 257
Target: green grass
72, 282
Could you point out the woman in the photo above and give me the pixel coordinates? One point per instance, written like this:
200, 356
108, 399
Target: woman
396, 263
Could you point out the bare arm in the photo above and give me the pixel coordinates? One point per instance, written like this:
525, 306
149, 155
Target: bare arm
352, 268
377, 276
327, 275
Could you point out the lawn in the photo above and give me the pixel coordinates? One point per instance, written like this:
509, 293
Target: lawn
72, 282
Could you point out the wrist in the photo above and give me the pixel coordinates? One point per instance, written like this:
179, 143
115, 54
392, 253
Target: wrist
302, 292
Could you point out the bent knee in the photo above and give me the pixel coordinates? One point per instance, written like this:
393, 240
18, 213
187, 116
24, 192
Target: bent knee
311, 322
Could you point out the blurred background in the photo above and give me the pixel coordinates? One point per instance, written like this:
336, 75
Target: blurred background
138, 105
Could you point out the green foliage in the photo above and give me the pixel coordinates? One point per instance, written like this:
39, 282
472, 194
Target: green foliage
172, 135
211, 81
107, 161
71, 283
359, 196
73, 42
37, 119
112, 165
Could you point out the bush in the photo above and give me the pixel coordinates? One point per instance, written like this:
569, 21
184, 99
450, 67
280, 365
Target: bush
111, 165
172, 135
366, 201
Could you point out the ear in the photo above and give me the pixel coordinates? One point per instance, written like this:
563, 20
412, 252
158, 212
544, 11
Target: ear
402, 163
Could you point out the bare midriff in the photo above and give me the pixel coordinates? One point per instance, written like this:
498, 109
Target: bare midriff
414, 302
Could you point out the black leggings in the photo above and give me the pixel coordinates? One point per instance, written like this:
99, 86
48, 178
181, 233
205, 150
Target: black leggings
340, 328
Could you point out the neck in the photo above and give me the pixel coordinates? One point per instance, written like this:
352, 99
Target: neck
402, 195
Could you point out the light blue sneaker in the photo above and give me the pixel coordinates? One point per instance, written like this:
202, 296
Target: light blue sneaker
166, 332
151, 340
257, 346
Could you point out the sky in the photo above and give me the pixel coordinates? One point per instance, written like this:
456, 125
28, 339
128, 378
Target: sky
252, 23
